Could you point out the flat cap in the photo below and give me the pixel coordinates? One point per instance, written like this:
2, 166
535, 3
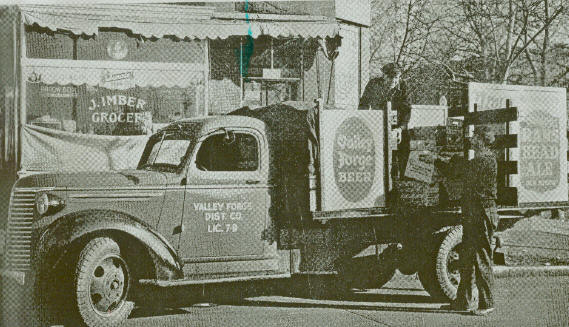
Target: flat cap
391, 69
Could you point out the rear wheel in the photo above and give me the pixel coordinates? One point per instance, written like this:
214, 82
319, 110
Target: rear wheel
102, 284
440, 276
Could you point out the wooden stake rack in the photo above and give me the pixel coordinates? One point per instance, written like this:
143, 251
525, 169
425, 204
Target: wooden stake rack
507, 195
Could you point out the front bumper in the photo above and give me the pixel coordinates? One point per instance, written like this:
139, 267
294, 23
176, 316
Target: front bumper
17, 299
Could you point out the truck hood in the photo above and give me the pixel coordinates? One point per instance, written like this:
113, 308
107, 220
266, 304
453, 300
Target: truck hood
126, 178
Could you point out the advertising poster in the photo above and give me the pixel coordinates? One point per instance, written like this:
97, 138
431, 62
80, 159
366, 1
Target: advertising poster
352, 159
542, 141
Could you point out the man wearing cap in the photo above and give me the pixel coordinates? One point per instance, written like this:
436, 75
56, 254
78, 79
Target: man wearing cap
480, 219
390, 88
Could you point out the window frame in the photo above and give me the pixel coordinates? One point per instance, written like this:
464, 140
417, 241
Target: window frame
193, 170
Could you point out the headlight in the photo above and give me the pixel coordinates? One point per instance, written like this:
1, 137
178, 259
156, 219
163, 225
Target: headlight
42, 204
48, 203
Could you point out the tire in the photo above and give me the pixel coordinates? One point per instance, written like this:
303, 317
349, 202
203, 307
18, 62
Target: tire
102, 284
440, 276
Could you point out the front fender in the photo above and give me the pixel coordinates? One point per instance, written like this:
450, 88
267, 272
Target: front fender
58, 237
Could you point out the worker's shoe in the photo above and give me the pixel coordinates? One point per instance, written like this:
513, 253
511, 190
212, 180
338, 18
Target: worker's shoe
483, 312
455, 306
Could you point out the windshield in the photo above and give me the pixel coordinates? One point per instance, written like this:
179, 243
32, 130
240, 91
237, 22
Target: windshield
168, 152
168, 149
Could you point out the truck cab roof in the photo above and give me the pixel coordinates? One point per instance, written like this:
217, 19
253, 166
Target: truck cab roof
219, 121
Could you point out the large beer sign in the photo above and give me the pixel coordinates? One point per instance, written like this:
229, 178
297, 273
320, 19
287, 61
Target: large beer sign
351, 159
539, 152
354, 159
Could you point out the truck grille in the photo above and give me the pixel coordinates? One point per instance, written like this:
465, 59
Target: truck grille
19, 230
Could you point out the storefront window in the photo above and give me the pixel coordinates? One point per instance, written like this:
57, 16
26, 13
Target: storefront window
111, 44
102, 111
112, 83
271, 70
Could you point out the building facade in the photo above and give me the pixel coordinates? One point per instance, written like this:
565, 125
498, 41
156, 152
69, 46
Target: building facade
103, 72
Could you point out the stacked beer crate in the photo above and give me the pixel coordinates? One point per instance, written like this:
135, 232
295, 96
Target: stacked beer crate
434, 166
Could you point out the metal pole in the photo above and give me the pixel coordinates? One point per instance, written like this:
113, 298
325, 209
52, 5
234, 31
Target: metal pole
302, 65
241, 70
272, 53
507, 149
386, 152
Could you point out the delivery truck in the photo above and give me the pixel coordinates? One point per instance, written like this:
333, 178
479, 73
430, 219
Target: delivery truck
273, 193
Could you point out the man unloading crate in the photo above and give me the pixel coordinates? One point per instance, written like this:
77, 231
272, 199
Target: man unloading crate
391, 88
480, 219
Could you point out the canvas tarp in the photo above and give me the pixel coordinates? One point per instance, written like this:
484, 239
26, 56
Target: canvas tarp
288, 133
45, 149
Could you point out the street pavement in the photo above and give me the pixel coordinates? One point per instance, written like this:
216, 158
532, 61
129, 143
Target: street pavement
521, 301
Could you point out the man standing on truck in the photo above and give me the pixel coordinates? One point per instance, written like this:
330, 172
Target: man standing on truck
480, 219
391, 88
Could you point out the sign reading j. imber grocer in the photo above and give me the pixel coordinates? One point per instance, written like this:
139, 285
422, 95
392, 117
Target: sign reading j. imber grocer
351, 159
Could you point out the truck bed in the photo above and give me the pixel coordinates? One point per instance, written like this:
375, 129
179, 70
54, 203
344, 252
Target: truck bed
380, 212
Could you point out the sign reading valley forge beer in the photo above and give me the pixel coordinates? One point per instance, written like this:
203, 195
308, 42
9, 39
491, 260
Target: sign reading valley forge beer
351, 159
542, 141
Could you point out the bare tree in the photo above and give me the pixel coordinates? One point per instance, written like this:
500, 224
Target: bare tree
491, 37
401, 31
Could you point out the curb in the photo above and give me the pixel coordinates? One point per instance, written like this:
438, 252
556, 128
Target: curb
528, 271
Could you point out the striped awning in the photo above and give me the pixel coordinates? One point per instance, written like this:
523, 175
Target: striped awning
88, 21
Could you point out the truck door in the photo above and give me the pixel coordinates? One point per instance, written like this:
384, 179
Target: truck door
225, 205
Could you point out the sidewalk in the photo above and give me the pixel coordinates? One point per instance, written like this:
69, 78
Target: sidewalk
536, 241
530, 271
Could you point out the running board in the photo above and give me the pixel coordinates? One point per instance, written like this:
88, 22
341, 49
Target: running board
184, 282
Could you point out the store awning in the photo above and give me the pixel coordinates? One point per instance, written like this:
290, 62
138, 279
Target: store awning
84, 21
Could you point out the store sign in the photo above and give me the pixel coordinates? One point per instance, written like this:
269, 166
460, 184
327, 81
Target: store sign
111, 116
55, 91
539, 150
117, 79
354, 159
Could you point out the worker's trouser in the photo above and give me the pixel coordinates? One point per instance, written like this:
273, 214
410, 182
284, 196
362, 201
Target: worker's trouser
479, 224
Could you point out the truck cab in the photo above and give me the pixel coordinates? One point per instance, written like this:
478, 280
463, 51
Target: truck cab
194, 211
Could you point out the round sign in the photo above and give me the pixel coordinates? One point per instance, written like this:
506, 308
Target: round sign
117, 49
354, 159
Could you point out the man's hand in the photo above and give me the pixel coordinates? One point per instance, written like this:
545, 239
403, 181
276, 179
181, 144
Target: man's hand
396, 134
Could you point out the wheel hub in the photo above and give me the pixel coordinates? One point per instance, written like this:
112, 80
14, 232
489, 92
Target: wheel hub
453, 262
108, 284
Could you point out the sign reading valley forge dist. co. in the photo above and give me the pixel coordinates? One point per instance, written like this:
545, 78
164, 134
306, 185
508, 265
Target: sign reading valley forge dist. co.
539, 151
354, 159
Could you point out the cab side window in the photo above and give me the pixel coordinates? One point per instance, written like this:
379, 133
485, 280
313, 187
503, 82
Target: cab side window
229, 152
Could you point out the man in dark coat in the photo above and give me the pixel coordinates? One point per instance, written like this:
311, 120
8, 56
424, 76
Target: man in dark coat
480, 219
391, 88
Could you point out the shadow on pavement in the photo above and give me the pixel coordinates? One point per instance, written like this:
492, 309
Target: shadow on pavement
345, 306
267, 295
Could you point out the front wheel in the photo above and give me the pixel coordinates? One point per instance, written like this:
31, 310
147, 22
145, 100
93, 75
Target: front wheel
102, 284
